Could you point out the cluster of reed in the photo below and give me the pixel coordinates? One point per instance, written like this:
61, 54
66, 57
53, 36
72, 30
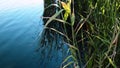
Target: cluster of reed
91, 30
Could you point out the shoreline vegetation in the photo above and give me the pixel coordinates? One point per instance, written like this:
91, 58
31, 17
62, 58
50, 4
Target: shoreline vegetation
90, 29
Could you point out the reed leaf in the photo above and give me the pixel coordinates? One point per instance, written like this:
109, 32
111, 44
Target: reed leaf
53, 17
69, 63
111, 62
68, 58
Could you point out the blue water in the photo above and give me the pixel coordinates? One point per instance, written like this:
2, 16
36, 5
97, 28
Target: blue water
20, 26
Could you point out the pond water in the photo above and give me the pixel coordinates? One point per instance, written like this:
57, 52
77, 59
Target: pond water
20, 26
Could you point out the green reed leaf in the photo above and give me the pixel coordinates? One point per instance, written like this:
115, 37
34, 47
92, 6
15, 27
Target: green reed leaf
53, 17
71, 62
111, 62
72, 19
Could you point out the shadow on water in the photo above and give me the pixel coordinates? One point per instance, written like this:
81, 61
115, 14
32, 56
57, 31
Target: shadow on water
52, 49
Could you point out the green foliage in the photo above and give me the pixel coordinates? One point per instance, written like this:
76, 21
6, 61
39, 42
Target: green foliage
94, 32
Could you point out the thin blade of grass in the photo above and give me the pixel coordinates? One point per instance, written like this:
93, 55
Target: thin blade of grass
68, 64
57, 32
103, 40
71, 56
56, 5
83, 22
53, 17
71, 46
111, 62
59, 20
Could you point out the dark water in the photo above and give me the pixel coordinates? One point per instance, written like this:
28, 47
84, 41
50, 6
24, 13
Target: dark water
20, 26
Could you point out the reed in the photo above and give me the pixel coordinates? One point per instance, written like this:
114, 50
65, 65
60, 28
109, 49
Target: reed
91, 30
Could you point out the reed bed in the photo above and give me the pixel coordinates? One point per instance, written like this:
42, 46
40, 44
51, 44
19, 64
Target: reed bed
90, 29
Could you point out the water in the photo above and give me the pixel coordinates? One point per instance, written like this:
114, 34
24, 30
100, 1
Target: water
20, 25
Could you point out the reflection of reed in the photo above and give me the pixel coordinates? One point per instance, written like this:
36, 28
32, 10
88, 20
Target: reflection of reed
51, 45
50, 35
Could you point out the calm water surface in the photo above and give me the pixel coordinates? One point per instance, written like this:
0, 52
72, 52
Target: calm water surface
20, 25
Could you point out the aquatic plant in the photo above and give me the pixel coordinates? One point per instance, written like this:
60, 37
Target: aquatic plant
90, 29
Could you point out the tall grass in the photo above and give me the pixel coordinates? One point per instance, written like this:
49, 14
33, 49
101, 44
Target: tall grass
91, 30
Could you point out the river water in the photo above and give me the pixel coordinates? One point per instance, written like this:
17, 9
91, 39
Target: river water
20, 26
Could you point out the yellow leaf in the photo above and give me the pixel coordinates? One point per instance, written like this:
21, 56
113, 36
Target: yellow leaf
69, 3
66, 7
66, 16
